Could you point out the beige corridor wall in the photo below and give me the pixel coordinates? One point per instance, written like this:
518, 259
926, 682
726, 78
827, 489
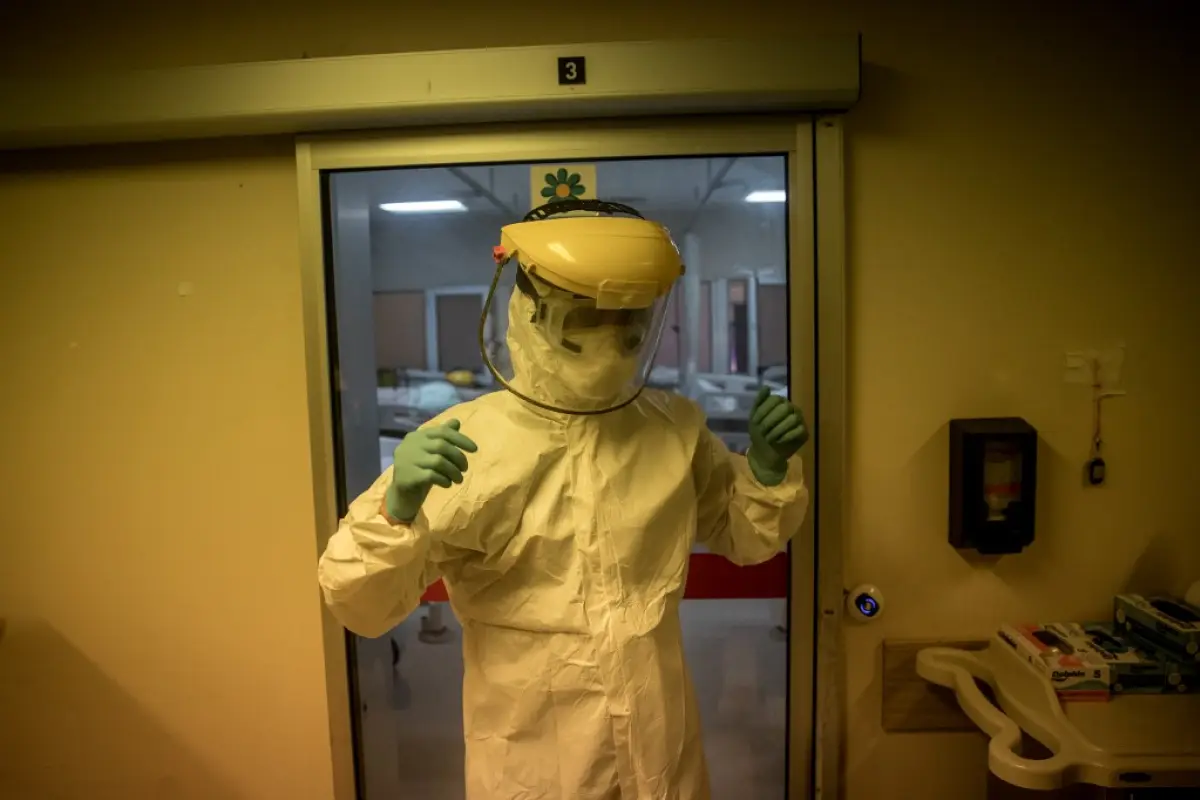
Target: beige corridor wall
1020, 182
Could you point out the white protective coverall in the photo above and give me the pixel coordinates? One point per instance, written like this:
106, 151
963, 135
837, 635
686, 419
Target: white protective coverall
565, 553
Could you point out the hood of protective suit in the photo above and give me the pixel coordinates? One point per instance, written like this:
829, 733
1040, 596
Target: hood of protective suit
600, 376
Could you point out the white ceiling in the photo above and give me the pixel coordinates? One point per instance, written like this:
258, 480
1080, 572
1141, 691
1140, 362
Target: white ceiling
672, 185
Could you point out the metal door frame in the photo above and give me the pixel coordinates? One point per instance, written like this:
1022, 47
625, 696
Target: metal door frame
816, 277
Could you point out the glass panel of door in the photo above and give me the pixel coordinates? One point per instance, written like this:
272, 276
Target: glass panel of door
409, 268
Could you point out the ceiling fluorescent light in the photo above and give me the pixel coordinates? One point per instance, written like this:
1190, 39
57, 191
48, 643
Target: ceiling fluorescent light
767, 196
424, 206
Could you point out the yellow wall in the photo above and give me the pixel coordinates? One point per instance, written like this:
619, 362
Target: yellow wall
1021, 182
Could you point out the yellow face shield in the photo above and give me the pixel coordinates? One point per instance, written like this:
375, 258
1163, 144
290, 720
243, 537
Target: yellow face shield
587, 307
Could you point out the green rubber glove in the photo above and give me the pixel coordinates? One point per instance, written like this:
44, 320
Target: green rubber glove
427, 457
777, 432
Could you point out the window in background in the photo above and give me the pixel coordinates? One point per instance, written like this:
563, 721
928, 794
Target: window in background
670, 349
400, 330
772, 327
739, 327
706, 327
456, 323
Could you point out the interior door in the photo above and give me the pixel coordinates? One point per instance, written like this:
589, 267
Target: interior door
732, 193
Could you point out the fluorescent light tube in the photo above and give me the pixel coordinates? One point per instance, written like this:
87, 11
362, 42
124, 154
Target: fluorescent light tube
424, 206
767, 196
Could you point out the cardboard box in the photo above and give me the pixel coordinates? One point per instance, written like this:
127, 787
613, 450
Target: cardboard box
1167, 624
1062, 651
1135, 668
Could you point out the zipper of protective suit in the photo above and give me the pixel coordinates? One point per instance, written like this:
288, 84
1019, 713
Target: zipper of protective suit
582, 451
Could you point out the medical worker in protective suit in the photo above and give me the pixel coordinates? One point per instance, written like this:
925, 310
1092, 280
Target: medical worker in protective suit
560, 515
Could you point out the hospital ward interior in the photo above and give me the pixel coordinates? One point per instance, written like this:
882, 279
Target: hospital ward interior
644, 401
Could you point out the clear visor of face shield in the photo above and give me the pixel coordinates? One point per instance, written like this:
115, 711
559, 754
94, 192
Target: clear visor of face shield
559, 351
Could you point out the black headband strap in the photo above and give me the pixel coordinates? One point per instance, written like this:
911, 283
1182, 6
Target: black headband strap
567, 206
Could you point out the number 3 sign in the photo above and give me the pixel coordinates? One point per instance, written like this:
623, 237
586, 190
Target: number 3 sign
572, 71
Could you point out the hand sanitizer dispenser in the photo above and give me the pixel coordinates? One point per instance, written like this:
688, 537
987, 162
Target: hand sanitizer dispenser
993, 482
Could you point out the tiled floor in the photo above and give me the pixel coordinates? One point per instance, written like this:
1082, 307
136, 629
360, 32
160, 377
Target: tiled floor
412, 723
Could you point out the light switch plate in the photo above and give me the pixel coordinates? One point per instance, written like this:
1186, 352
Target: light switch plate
1086, 367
